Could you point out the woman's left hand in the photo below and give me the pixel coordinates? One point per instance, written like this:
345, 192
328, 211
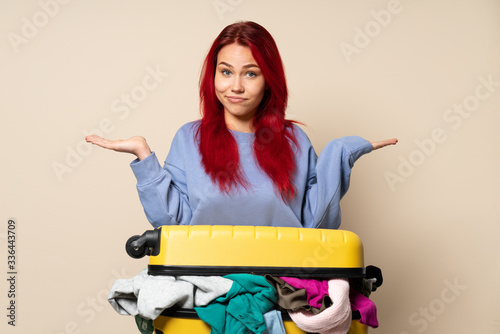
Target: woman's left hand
383, 143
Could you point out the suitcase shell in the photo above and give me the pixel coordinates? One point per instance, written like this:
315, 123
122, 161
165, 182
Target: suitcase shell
278, 251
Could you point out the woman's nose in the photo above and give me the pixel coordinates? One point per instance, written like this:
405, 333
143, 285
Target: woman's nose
237, 86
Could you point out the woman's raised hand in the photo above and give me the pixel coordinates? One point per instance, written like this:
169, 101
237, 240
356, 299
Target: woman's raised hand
383, 143
134, 145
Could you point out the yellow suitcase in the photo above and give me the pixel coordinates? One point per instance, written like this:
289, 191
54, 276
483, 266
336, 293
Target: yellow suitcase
221, 250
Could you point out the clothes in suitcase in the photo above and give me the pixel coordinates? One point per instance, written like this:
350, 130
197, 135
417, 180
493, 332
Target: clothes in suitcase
205, 250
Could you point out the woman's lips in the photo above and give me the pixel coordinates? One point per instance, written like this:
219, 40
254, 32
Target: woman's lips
235, 99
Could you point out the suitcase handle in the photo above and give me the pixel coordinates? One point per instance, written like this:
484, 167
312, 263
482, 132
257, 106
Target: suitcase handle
148, 243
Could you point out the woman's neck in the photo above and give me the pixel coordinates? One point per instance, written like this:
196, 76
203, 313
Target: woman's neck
240, 123
241, 126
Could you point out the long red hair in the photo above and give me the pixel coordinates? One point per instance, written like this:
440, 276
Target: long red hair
274, 134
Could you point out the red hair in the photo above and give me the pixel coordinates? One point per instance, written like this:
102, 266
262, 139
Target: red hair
274, 134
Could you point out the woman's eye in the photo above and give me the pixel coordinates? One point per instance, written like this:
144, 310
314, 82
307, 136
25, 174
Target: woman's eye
225, 72
251, 74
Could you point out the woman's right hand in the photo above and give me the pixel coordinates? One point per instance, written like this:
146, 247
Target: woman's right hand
135, 145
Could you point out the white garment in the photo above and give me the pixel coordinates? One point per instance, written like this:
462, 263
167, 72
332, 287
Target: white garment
335, 319
148, 296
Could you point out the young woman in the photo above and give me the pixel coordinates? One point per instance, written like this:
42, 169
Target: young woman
243, 163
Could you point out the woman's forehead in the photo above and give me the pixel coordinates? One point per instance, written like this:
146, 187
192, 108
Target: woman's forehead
235, 55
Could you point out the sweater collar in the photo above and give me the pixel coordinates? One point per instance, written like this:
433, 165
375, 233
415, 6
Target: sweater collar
243, 136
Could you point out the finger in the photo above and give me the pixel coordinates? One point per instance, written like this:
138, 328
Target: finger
99, 141
392, 141
92, 138
383, 143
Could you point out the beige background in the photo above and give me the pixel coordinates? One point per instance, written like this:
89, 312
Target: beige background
427, 209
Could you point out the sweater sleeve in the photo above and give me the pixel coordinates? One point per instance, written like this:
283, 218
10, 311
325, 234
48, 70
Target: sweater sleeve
331, 181
162, 191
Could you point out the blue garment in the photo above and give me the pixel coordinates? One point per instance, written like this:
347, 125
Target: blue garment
182, 193
242, 309
274, 323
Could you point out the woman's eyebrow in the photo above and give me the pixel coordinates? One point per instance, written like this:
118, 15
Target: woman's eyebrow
244, 66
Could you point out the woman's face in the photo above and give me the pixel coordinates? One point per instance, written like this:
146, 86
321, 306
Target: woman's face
239, 86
